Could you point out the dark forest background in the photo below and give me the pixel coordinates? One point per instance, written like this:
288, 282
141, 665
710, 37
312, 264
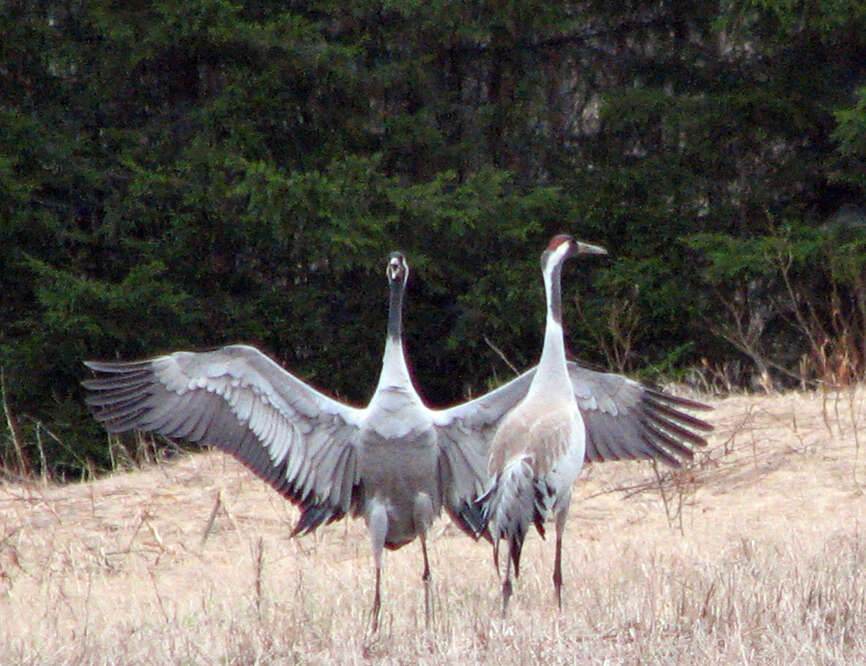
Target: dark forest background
189, 173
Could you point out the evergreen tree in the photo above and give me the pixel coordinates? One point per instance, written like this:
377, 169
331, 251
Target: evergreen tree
192, 173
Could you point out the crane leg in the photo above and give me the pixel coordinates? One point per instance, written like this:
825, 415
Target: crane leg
422, 515
557, 561
377, 523
506, 588
428, 583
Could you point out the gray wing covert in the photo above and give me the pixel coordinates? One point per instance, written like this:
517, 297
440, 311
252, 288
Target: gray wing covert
626, 420
464, 433
237, 399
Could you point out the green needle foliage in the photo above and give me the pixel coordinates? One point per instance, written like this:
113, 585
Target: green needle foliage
189, 173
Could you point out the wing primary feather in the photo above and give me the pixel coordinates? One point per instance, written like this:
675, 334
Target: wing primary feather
238, 400
301, 486
117, 367
123, 423
266, 469
350, 480
677, 400
279, 480
601, 446
624, 430
116, 386
255, 451
164, 417
314, 515
658, 453
592, 454
337, 474
196, 422
655, 433
120, 409
675, 429
676, 415
458, 458
182, 418
223, 432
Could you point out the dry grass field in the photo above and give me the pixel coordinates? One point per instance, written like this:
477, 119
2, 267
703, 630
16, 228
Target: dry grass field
755, 554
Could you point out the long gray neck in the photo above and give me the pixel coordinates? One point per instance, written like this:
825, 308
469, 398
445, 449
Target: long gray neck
553, 291
552, 370
395, 372
396, 289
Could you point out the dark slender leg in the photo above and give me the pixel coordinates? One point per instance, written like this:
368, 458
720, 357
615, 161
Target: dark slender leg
377, 523
427, 578
557, 562
506, 588
422, 515
557, 570
377, 601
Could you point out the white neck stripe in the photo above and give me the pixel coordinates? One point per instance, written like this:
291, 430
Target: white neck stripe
556, 258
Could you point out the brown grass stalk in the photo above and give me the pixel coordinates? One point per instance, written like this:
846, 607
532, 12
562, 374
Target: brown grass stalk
764, 562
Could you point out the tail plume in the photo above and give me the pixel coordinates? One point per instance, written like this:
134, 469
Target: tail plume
508, 506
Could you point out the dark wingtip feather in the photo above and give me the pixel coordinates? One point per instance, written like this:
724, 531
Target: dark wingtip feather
669, 398
656, 405
116, 366
661, 453
315, 515
676, 430
658, 435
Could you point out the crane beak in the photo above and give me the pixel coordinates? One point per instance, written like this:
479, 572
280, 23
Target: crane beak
585, 248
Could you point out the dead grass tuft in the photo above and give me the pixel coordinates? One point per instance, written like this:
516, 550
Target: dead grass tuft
755, 553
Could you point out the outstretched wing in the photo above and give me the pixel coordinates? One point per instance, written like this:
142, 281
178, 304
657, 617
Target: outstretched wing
626, 420
464, 433
237, 399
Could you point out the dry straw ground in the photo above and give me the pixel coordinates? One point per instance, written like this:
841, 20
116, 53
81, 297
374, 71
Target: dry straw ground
755, 554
